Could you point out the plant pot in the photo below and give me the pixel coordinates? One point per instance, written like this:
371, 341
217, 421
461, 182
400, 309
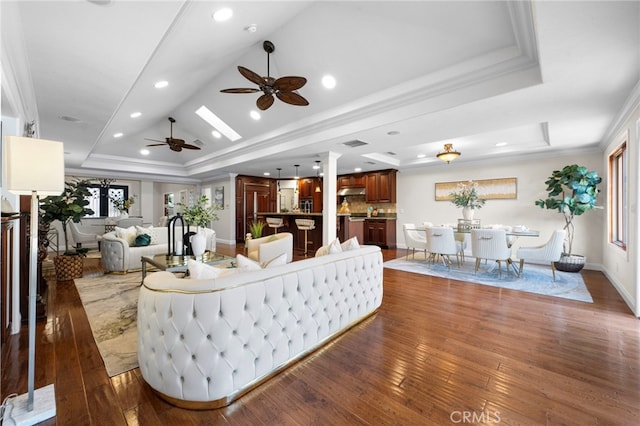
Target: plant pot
68, 267
198, 243
570, 263
467, 213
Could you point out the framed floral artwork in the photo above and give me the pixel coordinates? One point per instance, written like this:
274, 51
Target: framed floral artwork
488, 189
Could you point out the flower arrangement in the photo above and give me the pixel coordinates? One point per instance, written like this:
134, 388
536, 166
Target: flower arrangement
122, 204
467, 196
199, 214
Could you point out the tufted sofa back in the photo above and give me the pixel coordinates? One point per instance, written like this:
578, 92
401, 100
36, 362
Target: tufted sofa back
210, 341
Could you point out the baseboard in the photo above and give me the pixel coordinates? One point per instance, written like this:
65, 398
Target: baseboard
628, 298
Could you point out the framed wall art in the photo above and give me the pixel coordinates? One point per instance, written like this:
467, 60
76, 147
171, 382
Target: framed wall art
488, 189
218, 197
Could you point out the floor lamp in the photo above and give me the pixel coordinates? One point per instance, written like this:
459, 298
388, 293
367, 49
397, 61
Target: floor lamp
33, 167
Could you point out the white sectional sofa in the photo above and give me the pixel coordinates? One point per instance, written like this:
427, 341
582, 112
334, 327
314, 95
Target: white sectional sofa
119, 256
204, 343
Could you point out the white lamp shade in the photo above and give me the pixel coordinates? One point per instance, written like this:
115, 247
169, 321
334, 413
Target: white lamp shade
33, 165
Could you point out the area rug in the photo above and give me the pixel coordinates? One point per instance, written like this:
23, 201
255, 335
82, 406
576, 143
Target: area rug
535, 278
111, 304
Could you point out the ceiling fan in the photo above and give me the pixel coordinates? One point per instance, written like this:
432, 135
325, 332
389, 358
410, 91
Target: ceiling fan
284, 87
174, 143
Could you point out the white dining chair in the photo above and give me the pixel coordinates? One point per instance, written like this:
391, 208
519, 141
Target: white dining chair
549, 252
491, 244
442, 243
414, 239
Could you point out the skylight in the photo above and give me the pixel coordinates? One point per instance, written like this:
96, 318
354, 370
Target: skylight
219, 125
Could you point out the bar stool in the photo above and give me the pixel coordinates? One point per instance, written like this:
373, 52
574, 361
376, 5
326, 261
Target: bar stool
306, 225
275, 223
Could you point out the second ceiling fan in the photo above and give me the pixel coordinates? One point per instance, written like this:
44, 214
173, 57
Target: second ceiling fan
283, 88
174, 144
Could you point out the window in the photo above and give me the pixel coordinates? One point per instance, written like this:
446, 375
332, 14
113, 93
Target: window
100, 203
618, 196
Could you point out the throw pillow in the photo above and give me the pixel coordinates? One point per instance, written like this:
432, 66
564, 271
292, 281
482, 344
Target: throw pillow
276, 261
350, 244
245, 264
202, 271
142, 240
331, 248
158, 235
128, 234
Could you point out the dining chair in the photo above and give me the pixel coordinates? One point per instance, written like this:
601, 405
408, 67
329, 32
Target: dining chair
548, 252
414, 239
130, 221
441, 242
491, 244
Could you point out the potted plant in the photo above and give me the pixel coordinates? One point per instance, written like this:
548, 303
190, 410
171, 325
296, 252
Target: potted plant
71, 205
572, 191
256, 229
466, 196
199, 215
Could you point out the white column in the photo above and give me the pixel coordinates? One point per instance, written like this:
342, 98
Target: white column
329, 193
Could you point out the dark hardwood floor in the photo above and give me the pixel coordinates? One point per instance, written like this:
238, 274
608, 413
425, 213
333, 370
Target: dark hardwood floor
437, 352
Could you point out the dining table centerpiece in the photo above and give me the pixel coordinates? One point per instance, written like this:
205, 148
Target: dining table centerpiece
466, 196
122, 204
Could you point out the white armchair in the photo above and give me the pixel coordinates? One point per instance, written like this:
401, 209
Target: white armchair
80, 238
549, 252
491, 244
266, 248
414, 239
441, 242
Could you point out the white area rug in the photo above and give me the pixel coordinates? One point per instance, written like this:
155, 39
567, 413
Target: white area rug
535, 278
111, 304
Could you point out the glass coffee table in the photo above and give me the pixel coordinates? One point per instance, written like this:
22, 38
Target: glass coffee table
179, 263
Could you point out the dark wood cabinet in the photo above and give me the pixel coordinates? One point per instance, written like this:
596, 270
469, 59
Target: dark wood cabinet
351, 181
381, 187
380, 232
305, 188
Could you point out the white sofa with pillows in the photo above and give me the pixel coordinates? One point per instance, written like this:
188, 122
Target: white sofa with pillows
120, 253
206, 340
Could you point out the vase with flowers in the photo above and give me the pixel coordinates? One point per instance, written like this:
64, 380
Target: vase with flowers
466, 196
200, 214
122, 204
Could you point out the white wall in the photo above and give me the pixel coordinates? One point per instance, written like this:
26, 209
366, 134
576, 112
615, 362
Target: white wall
225, 225
416, 200
620, 265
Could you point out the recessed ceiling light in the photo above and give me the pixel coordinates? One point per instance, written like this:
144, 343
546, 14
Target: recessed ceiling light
328, 81
118, 135
251, 28
135, 114
207, 115
144, 151
216, 134
222, 14
357, 169
393, 132
501, 144
421, 155
161, 84
255, 115
267, 174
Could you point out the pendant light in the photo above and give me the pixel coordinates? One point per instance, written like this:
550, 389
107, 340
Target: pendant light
296, 176
279, 190
448, 155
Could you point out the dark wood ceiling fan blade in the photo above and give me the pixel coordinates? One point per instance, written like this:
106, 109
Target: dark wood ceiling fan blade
289, 83
240, 90
157, 144
292, 98
176, 148
187, 146
264, 102
154, 140
250, 75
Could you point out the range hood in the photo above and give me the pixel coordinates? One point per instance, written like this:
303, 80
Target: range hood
351, 191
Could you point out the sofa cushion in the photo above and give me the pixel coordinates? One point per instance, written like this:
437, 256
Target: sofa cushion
158, 234
142, 240
202, 271
128, 234
350, 244
245, 264
331, 248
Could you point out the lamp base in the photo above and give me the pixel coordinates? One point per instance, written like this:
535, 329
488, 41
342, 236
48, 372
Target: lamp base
44, 407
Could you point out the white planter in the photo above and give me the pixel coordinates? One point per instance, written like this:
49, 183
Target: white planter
467, 213
198, 243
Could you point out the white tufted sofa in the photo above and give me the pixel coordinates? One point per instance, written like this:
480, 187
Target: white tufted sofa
204, 343
117, 256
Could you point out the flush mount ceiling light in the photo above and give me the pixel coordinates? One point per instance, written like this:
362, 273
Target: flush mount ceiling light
448, 155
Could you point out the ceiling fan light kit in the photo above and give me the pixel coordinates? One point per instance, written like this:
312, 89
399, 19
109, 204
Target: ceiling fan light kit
448, 155
284, 88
